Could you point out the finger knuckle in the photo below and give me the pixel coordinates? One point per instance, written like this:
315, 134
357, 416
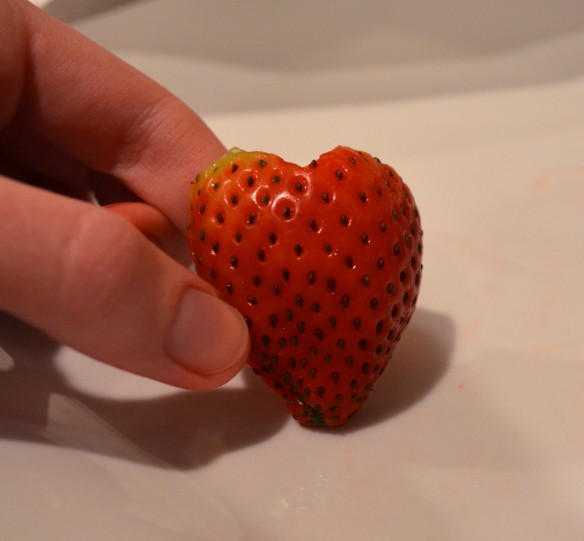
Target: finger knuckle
101, 258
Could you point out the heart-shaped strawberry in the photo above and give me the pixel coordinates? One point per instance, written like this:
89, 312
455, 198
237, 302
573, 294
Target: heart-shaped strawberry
324, 263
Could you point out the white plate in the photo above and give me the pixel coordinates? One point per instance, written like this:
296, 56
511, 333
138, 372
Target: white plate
475, 431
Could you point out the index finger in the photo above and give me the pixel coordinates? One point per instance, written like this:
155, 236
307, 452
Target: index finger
100, 110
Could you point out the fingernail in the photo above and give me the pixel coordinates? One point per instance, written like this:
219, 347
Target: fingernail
208, 336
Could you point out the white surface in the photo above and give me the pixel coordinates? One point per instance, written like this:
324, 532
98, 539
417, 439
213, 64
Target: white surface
221, 55
73, 10
475, 431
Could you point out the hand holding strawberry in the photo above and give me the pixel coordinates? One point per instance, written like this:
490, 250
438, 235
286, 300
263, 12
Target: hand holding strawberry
323, 261
78, 125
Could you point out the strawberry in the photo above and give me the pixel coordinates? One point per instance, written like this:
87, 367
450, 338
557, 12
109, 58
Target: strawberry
324, 263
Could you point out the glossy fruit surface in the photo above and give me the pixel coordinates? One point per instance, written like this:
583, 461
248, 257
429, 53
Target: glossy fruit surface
323, 261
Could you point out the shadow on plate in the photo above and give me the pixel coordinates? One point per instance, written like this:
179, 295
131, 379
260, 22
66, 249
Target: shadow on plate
419, 361
183, 429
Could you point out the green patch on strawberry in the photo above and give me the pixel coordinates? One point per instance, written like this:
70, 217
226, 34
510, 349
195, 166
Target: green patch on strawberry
323, 261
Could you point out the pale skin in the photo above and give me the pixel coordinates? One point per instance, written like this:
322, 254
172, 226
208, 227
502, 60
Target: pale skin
77, 124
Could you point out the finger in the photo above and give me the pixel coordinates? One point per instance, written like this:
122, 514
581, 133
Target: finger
108, 190
14, 170
91, 280
39, 157
156, 227
101, 111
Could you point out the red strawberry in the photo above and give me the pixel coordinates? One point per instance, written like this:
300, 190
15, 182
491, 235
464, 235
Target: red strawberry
323, 261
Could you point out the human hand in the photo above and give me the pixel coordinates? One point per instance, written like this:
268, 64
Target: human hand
77, 123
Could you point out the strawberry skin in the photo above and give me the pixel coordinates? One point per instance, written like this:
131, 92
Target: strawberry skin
324, 263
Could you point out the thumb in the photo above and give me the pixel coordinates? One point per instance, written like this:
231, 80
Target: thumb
91, 280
